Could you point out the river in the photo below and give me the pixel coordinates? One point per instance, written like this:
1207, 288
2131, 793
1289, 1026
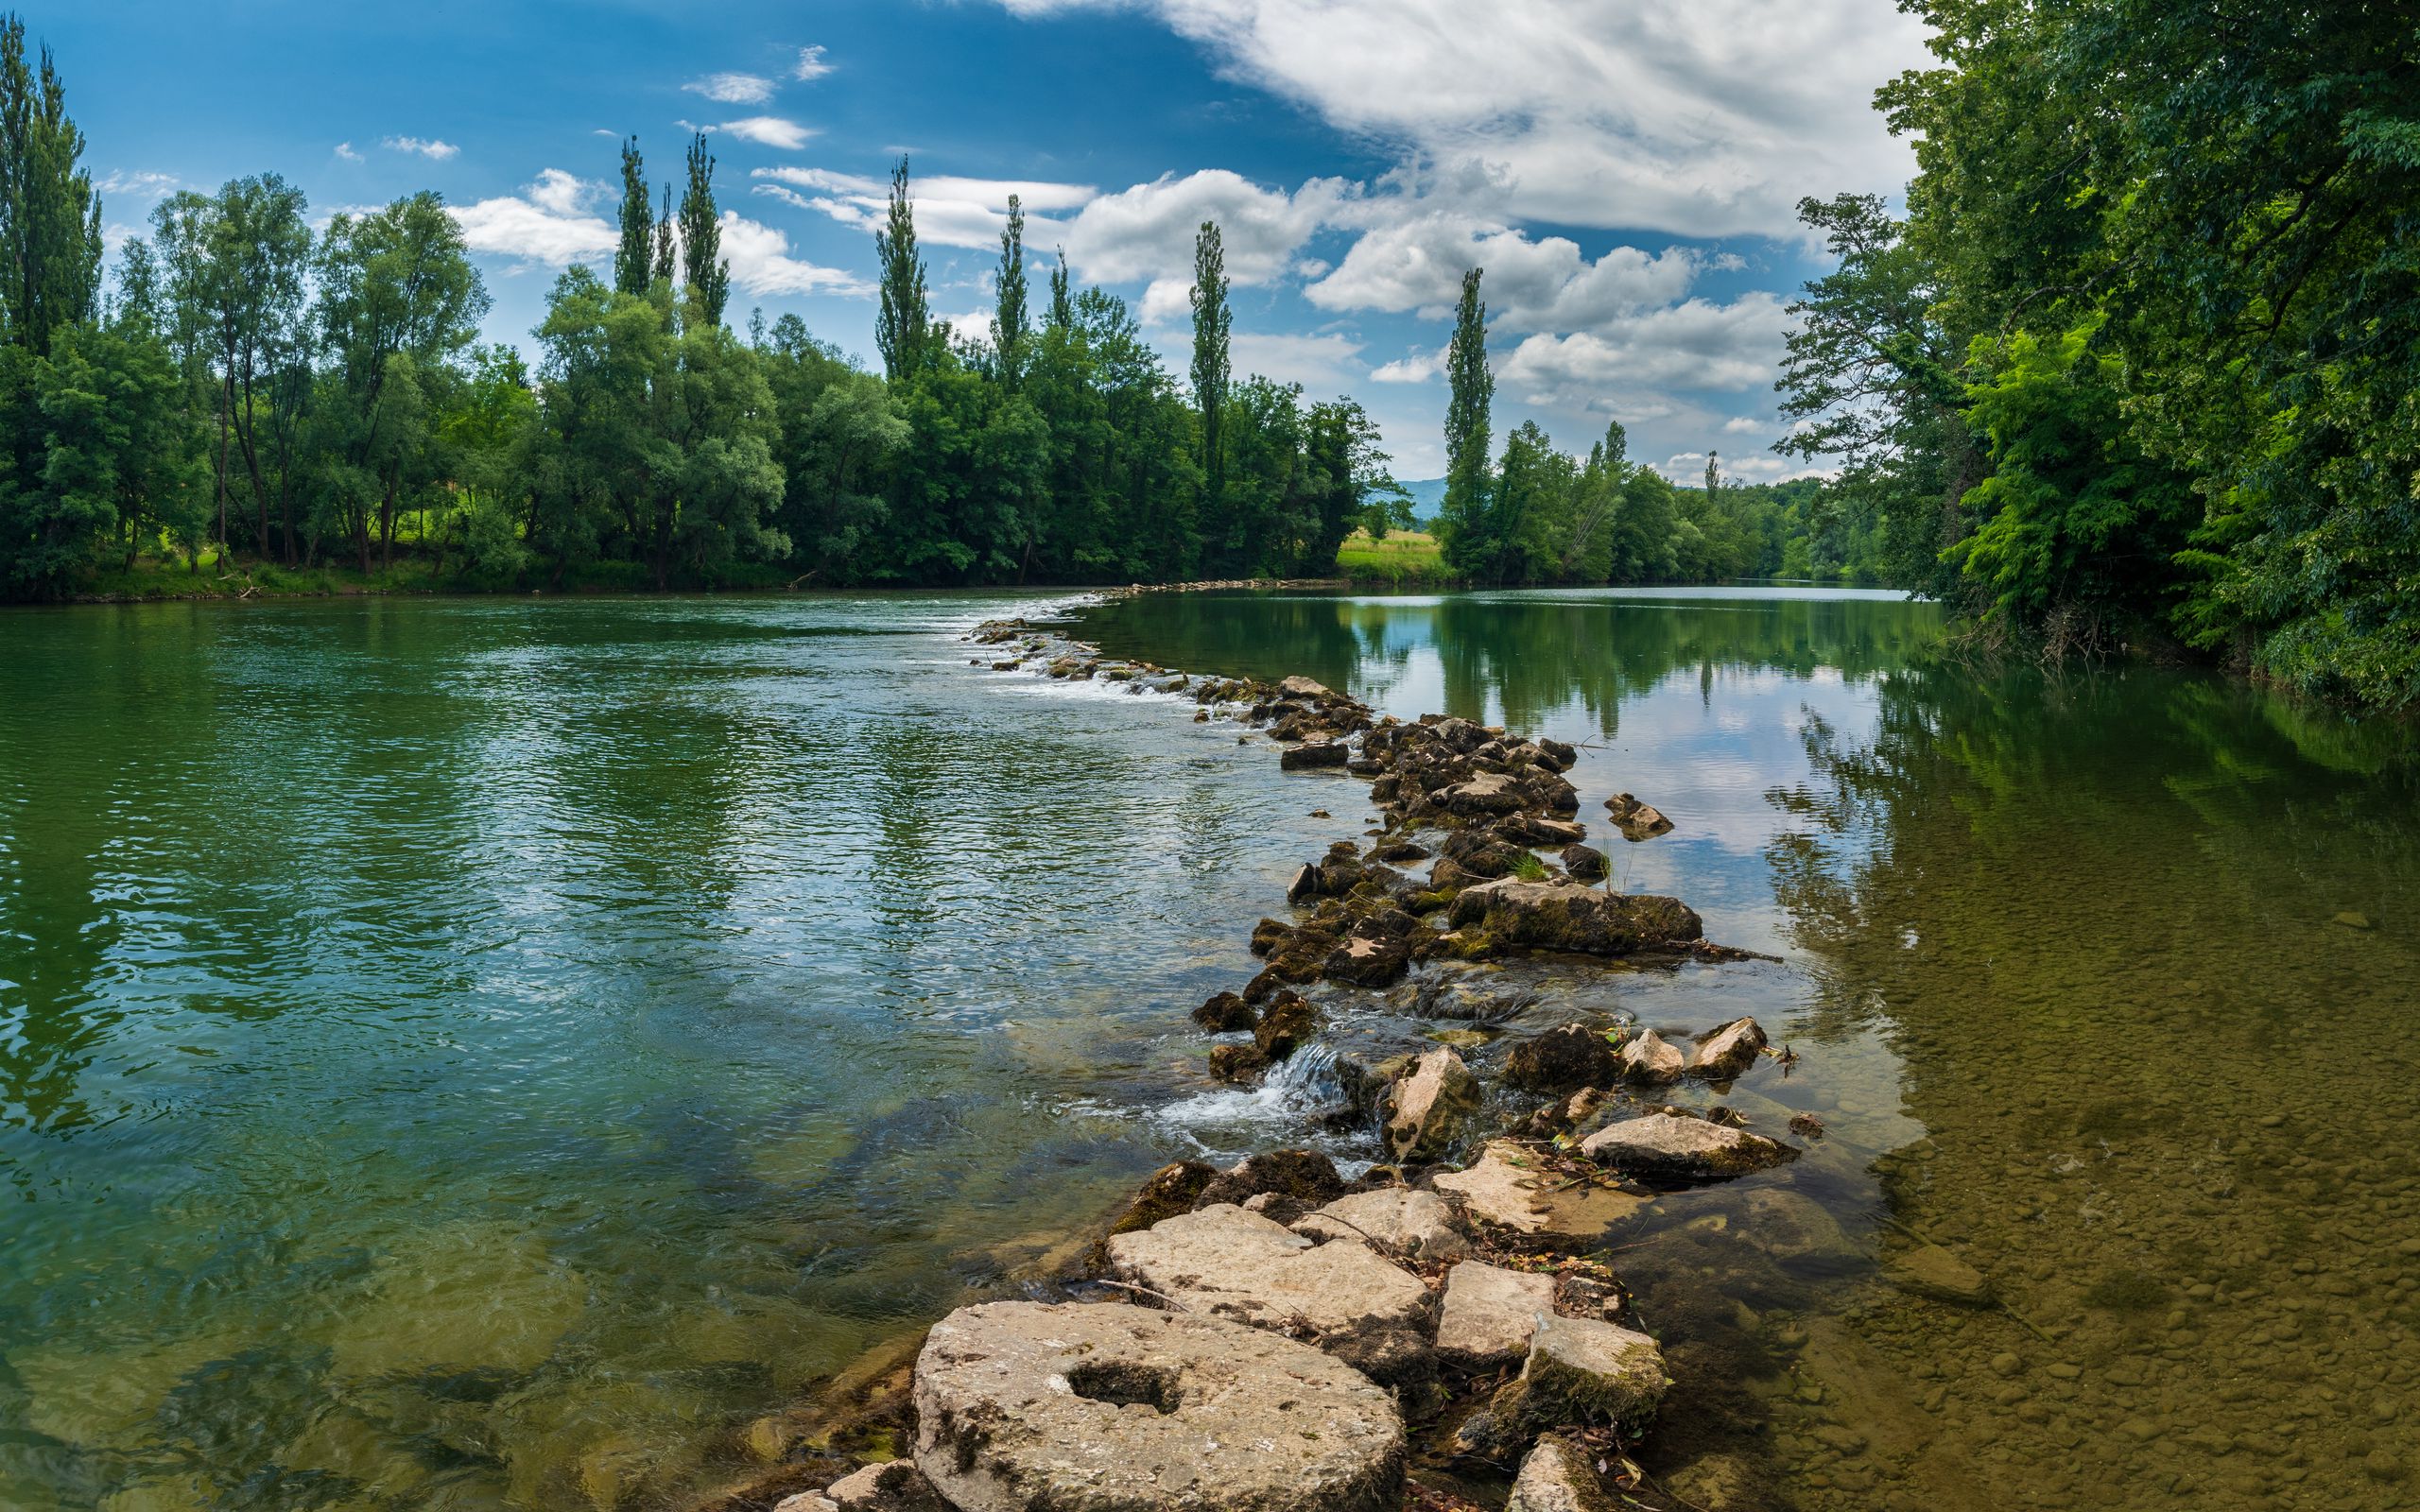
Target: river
483, 1053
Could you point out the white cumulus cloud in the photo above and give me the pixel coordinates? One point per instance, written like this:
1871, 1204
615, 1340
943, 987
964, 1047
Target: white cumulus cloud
762, 264
1693, 345
547, 224
1145, 234
1317, 362
1417, 264
811, 65
1689, 117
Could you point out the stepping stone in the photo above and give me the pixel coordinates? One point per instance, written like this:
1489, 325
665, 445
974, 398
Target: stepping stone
1224, 1262
1505, 1187
1491, 1315
1403, 1221
1430, 1107
1675, 1147
1106, 1407
1648, 1056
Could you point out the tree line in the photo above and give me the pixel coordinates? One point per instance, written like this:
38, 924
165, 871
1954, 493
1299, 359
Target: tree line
252, 392
2136, 369
1534, 514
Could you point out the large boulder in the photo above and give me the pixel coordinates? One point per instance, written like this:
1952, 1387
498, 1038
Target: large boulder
1724, 1052
1545, 915
1561, 1060
1490, 1315
1111, 1408
1403, 1221
1225, 1262
1674, 1147
1507, 1188
1429, 1107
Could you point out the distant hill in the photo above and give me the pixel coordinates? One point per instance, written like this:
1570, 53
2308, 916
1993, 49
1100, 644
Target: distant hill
1427, 496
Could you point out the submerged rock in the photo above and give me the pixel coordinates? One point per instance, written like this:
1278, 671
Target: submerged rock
1929, 1270
1556, 1478
1490, 1315
1561, 1060
1796, 1231
1224, 1262
1723, 1052
1431, 1105
1403, 1221
1583, 919
1112, 1408
1675, 1147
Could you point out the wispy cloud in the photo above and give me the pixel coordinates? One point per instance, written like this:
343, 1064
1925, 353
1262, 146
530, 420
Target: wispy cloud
345, 153
732, 89
812, 65
427, 147
951, 211
769, 130
139, 184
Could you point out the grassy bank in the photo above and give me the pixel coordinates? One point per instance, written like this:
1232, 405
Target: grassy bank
1405, 557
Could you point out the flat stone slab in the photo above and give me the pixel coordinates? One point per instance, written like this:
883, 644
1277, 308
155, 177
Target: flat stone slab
1105, 1407
1399, 1220
1224, 1262
1491, 1315
1672, 1147
1506, 1188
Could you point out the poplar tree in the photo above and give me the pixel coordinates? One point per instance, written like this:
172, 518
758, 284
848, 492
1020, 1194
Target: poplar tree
702, 235
903, 328
666, 250
1212, 324
1008, 320
50, 219
1462, 514
1713, 475
633, 258
1063, 304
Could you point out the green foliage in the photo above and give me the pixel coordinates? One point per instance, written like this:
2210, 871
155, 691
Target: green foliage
1461, 521
266, 400
2139, 362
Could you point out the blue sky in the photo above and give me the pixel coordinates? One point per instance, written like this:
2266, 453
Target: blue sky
1625, 169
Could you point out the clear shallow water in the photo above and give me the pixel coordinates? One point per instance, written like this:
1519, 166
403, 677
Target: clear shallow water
481, 1054
2100, 982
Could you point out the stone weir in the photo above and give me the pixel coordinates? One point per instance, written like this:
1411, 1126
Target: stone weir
1274, 1337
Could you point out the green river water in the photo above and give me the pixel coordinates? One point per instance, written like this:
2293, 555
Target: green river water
482, 1053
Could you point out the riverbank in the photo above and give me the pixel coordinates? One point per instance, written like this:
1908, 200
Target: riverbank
1461, 1271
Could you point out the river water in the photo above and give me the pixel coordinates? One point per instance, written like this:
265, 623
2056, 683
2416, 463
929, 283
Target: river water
480, 1054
